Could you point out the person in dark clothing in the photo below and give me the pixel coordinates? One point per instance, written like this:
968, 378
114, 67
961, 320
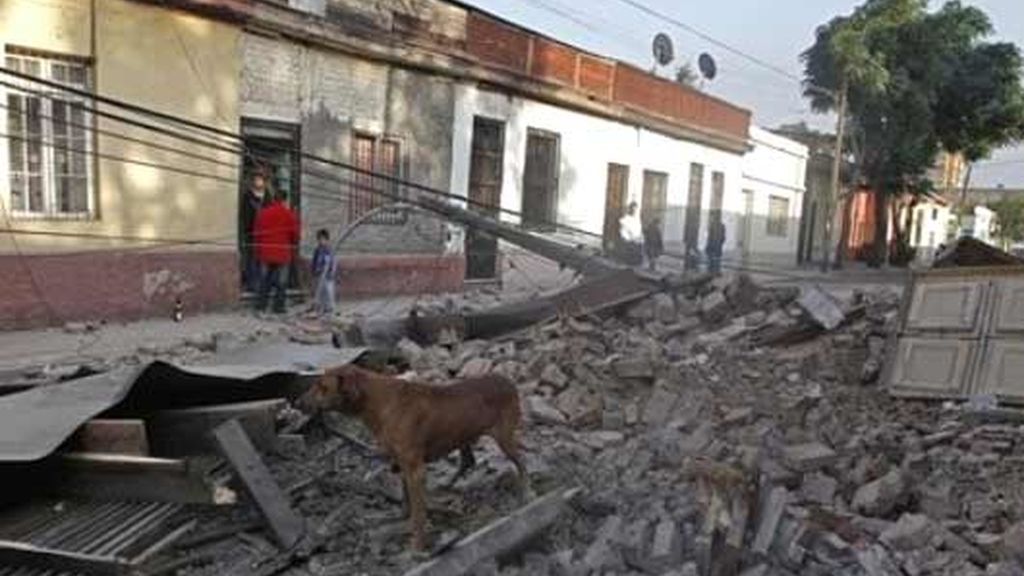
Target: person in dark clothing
254, 200
713, 250
276, 233
653, 244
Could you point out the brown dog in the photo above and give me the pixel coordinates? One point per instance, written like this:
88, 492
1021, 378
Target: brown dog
415, 423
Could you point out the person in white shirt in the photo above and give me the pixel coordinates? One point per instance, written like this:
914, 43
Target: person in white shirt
631, 236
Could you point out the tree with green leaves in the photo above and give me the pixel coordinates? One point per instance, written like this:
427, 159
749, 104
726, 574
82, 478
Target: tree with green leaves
1009, 220
913, 82
687, 76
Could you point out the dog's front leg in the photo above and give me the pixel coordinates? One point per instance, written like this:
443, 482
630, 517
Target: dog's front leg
466, 463
414, 476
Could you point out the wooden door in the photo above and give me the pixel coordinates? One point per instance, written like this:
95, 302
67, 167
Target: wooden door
614, 203
485, 175
694, 200
540, 180
655, 198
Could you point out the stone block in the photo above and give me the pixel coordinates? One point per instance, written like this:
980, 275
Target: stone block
476, 367
881, 496
553, 376
819, 489
540, 410
911, 532
635, 368
809, 457
769, 516
659, 407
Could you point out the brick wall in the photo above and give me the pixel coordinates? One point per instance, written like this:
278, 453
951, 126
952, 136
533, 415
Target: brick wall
517, 50
113, 285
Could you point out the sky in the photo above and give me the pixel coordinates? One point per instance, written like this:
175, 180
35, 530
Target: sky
773, 31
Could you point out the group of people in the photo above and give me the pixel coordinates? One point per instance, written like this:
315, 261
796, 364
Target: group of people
271, 235
640, 242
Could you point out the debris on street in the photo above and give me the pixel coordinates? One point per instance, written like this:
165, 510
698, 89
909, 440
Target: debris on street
725, 430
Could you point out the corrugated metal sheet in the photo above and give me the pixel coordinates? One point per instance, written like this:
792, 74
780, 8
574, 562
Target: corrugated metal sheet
35, 422
118, 531
961, 334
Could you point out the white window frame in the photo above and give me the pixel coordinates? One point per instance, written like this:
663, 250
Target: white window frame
47, 64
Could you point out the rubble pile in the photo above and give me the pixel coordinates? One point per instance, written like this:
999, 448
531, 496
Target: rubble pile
722, 432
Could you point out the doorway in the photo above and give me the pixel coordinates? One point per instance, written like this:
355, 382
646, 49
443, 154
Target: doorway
745, 222
485, 175
654, 202
540, 180
691, 225
271, 149
614, 203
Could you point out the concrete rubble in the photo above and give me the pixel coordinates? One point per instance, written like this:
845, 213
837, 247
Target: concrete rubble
723, 432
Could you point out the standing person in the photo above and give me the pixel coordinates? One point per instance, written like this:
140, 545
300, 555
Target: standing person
255, 199
323, 274
276, 233
631, 237
654, 246
713, 250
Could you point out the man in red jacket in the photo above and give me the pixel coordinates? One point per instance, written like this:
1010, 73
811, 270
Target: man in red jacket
276, 233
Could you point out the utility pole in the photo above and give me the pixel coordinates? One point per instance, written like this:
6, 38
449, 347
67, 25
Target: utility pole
832, 197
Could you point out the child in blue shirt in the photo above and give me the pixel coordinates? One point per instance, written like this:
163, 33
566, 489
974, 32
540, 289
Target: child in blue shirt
323, 274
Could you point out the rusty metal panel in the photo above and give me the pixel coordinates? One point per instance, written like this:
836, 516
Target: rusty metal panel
933, 367
1002, 371
1009, 317
947, 305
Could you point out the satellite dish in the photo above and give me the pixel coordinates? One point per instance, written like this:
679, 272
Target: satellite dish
663, 51
707, 66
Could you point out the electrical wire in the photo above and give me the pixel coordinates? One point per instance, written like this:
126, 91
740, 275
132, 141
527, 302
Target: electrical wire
723, 45
294, 150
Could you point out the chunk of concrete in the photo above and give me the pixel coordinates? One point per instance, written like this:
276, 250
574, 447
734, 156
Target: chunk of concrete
602, 552
581, 407
714, 307
499, 537
666, 548
876, 561
1012, 542
819, 488
635, 368
809, 457
476, 367
770, 514
540, 410
553, 376
881, 496
664, 308
821, 307
659, 406
911, 532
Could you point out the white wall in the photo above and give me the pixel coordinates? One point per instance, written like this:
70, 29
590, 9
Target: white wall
587, 145
979, 224
775, 166
933, 219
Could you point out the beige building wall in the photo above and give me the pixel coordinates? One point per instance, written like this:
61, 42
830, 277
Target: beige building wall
161, 59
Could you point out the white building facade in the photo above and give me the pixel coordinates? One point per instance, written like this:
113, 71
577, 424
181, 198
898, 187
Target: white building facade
979, 224
771, 200
931, 228
580, 170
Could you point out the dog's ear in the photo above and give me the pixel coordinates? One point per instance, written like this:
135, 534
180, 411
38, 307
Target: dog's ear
349, 390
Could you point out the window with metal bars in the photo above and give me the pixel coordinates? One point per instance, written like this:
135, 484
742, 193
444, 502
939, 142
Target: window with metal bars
376, 157
49, 145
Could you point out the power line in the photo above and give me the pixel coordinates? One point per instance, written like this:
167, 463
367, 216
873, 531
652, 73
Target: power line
723, 45
295, 150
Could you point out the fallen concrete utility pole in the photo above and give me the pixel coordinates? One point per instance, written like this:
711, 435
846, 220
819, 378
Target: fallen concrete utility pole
588, 264
287, 525
500, 537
